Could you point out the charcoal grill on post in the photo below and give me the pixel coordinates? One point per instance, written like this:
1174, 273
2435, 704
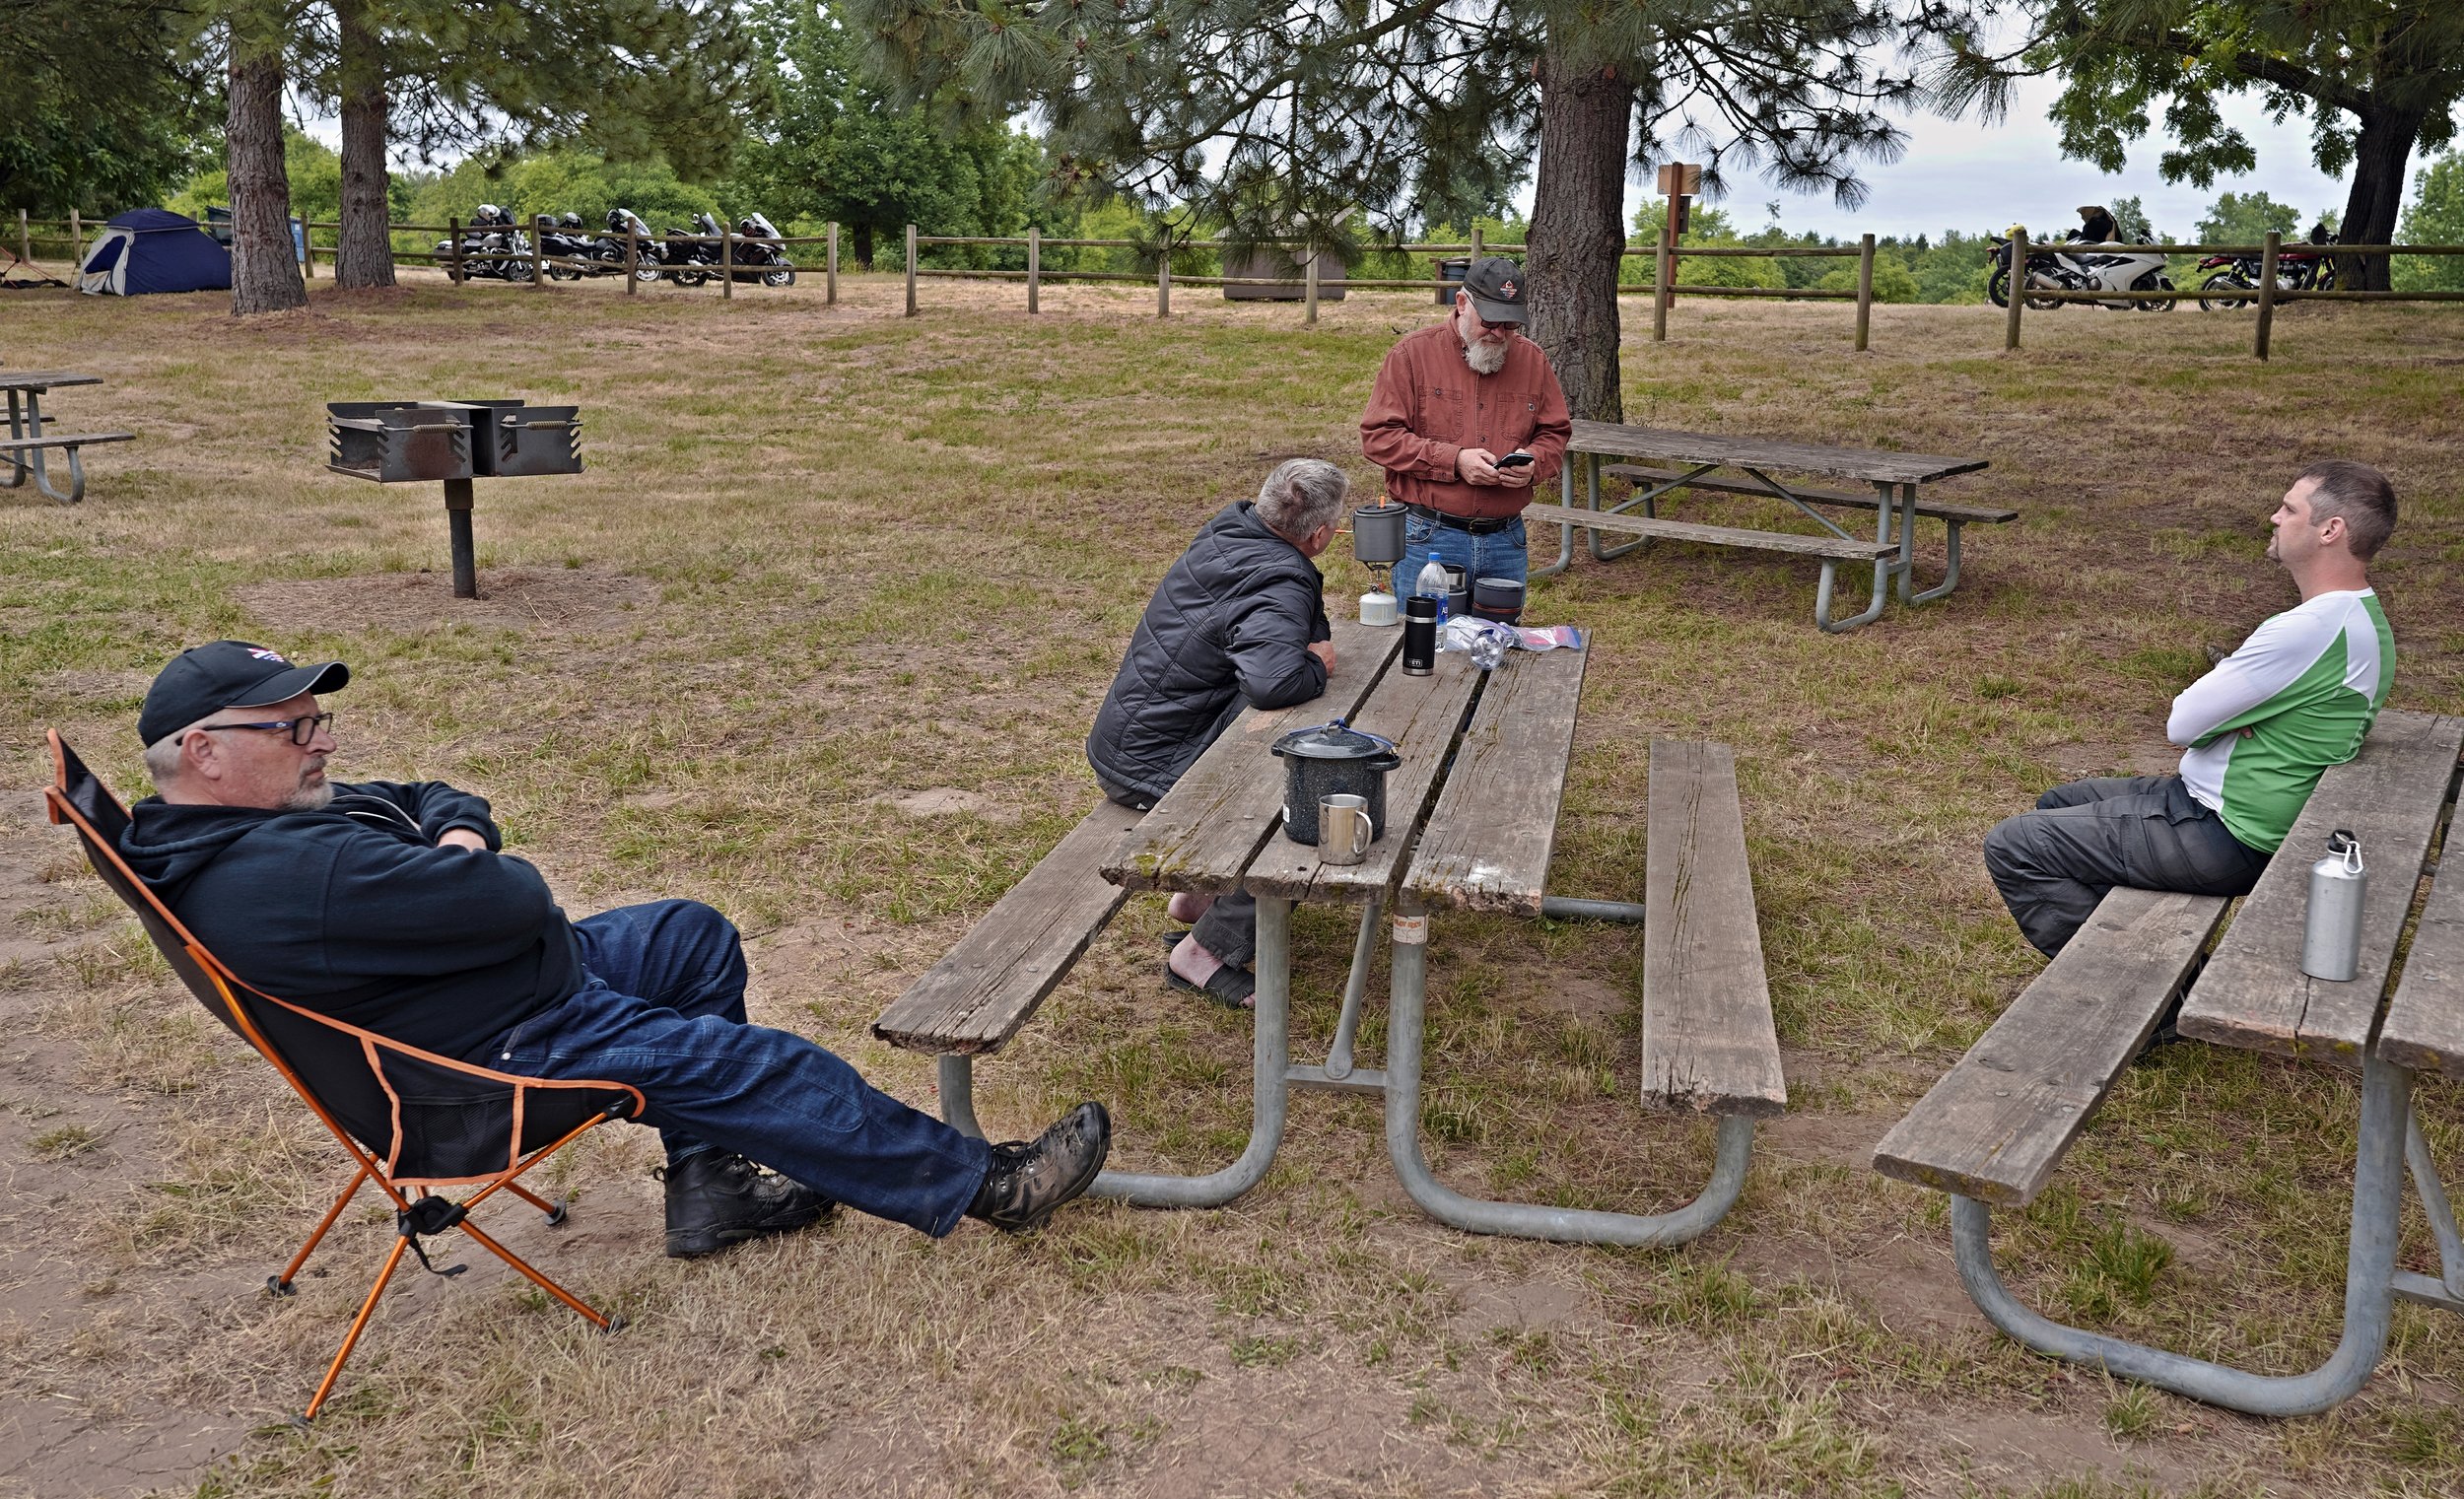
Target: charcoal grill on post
457, 441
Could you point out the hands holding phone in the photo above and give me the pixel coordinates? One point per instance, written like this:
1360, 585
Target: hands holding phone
1478, 465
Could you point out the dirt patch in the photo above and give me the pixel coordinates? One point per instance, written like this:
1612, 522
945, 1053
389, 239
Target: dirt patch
2116, 757
1580, 996
948, 801
554, 601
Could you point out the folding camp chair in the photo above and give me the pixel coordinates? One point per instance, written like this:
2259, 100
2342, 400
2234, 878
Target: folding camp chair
411, 1119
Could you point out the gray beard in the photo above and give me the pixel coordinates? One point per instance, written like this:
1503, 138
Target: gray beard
1485, 359
309, 798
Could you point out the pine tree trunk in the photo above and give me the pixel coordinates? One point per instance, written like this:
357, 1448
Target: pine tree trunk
1578, 229
264, 269
2379, 155
365, 256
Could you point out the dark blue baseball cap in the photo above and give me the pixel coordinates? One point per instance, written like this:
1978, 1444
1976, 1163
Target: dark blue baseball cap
203, 680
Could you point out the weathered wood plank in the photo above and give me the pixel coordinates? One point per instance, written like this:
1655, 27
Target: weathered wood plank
1489, 837
1998, 1123
1872, 465
65, 439
1711, 535
1939, 510
43, 380
2425, 1027
1708, 1041
2254, 994
1204, 832
1420, 715
988, 986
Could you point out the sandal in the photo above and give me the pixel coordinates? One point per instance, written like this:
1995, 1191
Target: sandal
1230, 986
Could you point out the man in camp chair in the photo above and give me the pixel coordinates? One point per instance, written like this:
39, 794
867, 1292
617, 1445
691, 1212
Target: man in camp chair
388, 907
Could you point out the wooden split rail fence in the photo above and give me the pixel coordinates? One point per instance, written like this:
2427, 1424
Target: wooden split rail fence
2266, 296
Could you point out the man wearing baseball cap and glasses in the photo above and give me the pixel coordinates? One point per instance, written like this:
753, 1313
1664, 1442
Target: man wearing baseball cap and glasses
387, 906
1465, 418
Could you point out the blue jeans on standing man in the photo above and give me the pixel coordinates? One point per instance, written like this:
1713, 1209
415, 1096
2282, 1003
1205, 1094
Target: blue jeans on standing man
663, 1008
1499, 553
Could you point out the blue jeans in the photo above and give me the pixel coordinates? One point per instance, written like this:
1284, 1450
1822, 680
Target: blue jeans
1499, 553
664, 1010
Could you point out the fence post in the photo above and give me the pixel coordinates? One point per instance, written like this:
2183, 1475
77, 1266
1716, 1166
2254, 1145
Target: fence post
307, 247
76, 240
1163, 278
1475, 250
25, 239
453, 256
1865, 289
910, 270
1035, 270
726, 262
830, 277
1664, 269
2015, 289
633, 259
2267, 290
1312, 318
538, 250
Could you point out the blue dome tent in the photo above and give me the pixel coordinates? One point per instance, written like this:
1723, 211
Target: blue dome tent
152, 250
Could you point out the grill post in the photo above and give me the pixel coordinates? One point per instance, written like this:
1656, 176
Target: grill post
458, 500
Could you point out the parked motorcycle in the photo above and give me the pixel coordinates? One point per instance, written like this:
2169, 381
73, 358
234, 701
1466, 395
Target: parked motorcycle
490, 244
565, 243
2080, 266
766, 263
2232, 282
610, 248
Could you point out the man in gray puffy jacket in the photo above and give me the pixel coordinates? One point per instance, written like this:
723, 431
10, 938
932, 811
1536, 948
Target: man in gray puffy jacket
1239, 621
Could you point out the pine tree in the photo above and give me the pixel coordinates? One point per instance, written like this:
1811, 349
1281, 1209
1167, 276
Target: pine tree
1302, 120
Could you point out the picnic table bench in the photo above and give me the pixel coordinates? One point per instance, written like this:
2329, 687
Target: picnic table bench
1472, 817
1993, 1130
22, 450
1700, 462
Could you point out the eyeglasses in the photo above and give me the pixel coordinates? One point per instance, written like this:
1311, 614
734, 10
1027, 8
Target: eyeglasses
302, 731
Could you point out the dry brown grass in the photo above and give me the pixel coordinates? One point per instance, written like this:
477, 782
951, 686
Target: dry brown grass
816, 638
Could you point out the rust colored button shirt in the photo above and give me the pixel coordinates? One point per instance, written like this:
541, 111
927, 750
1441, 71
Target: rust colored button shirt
1427, 406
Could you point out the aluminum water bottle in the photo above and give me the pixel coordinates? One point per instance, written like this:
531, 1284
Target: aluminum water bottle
2331, 940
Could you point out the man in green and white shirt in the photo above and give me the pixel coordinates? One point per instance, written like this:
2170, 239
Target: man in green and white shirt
2260, 730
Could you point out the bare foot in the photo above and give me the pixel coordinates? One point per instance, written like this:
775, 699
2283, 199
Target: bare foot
1188, 905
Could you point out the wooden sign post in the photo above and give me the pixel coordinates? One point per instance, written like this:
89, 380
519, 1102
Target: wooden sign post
1680, 184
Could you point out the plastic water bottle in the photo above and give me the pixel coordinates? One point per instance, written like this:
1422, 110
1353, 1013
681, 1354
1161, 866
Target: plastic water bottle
1432, 582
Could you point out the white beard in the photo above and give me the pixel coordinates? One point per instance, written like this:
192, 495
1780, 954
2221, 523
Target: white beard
1485, 358
313, 799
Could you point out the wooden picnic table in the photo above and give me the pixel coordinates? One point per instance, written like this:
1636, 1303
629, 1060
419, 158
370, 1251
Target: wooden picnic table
1993, 1129
1472, 817
24, 448
1713, 462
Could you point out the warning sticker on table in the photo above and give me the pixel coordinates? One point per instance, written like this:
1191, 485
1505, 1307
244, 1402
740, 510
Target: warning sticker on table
1411, 928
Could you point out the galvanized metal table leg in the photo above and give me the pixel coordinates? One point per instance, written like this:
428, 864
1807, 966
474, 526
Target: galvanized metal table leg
1339, 1055
1591, 484
2370, 1263
2448, 1289
1271, 1054
1951, 575
1872, 611
958, 1093
1526, 1220
1908, 536
18, 468
1565, 529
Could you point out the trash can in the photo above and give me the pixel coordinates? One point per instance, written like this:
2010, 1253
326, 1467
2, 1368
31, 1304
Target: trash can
1450, 274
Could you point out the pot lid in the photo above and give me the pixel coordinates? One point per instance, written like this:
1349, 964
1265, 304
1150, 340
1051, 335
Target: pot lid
1333, 741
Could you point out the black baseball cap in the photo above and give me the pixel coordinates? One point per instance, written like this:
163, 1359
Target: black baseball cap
203, 680
1496, 287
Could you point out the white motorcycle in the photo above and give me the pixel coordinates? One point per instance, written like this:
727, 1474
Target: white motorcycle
2079, 266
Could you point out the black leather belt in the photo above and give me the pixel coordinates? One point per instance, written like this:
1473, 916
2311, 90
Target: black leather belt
1489, 528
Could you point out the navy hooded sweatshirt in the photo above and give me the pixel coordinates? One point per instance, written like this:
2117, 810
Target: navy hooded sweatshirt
355, 912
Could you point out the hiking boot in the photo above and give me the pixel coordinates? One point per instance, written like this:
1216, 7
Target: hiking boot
714, 1199
1031, 1178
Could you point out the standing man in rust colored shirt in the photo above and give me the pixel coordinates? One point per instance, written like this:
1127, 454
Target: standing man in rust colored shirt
1449, 403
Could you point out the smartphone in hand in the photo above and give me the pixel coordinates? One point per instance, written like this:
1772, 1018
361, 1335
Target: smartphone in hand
1513, 460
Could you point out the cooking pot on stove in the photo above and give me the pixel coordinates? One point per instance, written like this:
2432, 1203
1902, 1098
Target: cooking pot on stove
1331, 759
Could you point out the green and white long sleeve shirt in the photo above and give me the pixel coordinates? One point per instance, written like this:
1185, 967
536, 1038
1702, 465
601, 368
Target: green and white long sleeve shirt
2297, 697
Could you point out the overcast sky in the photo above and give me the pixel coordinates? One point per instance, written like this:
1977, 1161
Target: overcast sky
1959, 175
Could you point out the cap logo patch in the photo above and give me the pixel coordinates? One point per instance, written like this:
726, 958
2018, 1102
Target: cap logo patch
263, 654
1506, 286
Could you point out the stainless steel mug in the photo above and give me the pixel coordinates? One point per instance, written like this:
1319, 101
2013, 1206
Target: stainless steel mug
2331, 938
1378, 534
1344, 831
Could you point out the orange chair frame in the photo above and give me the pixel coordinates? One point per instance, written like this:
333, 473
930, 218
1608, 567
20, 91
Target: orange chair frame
228, 986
